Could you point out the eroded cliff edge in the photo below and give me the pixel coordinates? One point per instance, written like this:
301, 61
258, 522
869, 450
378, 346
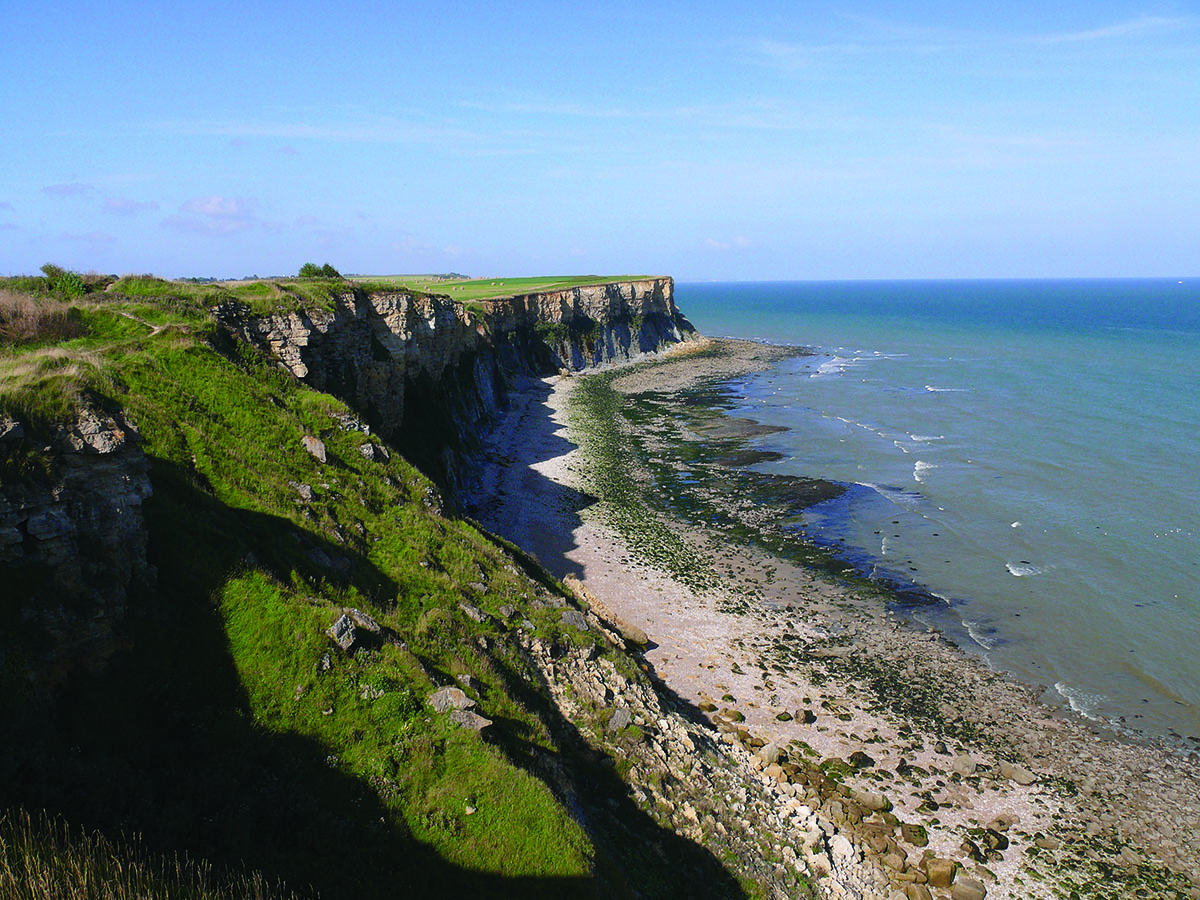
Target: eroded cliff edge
428, 373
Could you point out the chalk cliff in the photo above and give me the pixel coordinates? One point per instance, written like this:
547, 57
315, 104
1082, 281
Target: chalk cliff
427, 372
423, 371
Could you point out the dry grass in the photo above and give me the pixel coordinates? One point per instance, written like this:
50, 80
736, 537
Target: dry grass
45, 859
24, 320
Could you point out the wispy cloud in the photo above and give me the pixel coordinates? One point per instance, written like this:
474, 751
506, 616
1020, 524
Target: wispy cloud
91, 237
870, 35
68, 189
1130, 28
121, 207
737, 243
378, 130
566, 110
213, 215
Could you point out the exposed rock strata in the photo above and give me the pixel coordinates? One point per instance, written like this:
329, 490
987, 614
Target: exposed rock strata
72, 543
428, 374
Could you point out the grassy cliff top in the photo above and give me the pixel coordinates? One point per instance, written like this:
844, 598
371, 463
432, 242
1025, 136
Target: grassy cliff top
491, 288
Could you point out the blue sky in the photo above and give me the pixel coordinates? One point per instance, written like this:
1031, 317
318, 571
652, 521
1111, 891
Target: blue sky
703, 140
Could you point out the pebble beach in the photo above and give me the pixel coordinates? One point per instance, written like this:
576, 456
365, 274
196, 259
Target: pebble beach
901, 766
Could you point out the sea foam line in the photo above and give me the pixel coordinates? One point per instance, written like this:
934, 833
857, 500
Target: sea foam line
1082, 702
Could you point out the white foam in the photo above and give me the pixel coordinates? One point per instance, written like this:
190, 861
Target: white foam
1023, 570
920, 469
1015, 525
1082, 702
835, 366
973, 630
944, 390
926, 438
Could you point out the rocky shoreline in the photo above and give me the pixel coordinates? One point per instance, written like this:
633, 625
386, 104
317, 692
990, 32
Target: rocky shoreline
799, 723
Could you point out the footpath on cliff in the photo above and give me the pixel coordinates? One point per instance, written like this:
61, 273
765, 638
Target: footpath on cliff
896, 766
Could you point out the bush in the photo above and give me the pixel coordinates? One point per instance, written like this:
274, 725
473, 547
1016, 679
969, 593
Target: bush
64, 281
312, 270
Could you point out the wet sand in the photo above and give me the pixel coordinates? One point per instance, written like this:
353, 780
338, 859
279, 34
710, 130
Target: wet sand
796, 656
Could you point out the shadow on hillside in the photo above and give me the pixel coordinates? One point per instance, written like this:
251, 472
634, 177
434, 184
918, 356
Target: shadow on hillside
163, 746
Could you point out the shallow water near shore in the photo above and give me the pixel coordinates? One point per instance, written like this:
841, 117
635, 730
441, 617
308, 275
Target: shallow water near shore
1028, 452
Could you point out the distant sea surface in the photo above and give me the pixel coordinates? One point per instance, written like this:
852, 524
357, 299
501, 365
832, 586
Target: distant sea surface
1028, 452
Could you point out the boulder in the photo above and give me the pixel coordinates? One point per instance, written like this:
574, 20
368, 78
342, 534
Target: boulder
940, 871
474, 613
843, 850
873, 802
314, 446
343, 633
968, 889
467, 719
620, 719
362, 621
769, 753
861, 760
964, 765
1016, 773
449, 698
914, 834
575, 619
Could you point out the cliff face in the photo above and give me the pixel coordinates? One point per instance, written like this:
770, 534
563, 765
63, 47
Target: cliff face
427, 374
72, 544
592, 325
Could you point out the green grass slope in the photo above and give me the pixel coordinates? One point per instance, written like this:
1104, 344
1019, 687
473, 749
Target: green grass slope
235, 731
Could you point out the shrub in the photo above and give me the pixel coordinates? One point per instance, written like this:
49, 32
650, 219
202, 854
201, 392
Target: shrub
64, 281
312, 270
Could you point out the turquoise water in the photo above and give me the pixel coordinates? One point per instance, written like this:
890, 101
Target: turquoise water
1026, 451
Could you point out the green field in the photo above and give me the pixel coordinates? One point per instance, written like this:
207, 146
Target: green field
487, 288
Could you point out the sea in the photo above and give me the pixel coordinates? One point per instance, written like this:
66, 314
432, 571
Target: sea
1026, 453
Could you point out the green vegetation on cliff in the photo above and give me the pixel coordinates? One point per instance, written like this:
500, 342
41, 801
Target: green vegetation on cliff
232, 728
467, 289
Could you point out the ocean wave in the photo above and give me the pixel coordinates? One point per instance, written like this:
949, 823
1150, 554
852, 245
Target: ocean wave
921, 468
976, 632
926, 438
1024, 569
944, 390
835, 366
1082, 702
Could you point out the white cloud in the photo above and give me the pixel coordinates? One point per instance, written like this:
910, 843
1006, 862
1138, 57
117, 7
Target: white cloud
737, 243
68, 189
1130, 28
121, 207
214, 215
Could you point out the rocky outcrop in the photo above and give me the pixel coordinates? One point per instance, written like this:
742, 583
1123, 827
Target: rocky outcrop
72, 542
428, 374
